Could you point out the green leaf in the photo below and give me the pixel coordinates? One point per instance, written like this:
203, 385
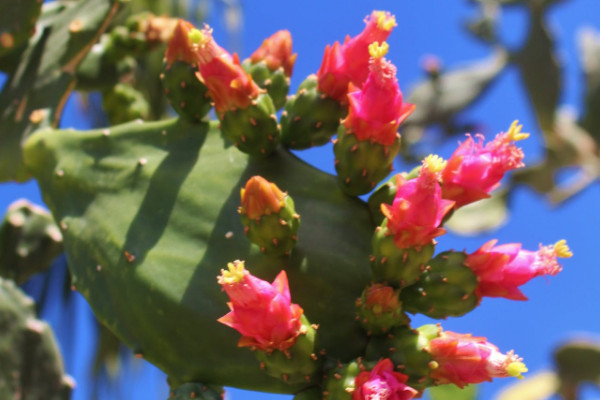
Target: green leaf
589, 45
452, 392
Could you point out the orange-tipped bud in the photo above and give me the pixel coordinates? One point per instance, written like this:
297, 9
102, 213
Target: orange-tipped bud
276, 51
261, 197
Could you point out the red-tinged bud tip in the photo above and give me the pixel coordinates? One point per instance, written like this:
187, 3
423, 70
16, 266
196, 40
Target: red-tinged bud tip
502, 269
180, 47
261, 312
463, 359
418, 209
229, 85
261, 197
276, 51
380, 298
383, 383
475, 169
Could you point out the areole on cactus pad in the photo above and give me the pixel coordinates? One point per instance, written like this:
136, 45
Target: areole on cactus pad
152, 212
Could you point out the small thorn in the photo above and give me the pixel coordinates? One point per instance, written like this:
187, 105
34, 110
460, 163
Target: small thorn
262, 365
383, 260
243, 137
319, 124
252, 121
314, 357
337, 376
354, 148
364, 172
347, 180
275, 241
182, 104
282, 222
296, 118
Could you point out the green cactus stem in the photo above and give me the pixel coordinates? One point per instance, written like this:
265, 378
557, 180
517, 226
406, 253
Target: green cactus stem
197, 391
148, 213
398, 267
29, 241
44, 76
123, 103
309, 118
187, 95
446, 288
30, 363
276, 83
254, 129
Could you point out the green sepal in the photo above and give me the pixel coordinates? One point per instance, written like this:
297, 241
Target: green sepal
187, 95
275, 234
395, 266
446, 288
361, 165
310, 118
253, 130
301, 363
276, 83
406, 348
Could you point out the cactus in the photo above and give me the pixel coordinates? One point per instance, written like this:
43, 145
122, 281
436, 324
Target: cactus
44, 75
30, 363
29, 241
150, 213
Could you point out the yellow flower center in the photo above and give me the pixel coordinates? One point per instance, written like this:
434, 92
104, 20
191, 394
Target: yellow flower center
377, 50
234, 274
434, 163
196, 36
562, 250
514, 132
385, 21
516, 369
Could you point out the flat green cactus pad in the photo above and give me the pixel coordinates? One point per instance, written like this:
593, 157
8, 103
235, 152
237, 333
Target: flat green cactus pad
149, 216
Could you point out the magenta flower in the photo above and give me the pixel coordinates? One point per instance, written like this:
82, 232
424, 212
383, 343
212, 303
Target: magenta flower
474, 170
261, 311
377, 109
349, 63
382, 383
228, 84
502, 269
415, 216
462, 359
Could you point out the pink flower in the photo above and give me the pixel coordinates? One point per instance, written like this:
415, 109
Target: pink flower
228, 84
377, 109
276, 51
418, 208
474, 170
462, 359
382, 383
502, 269
349, 63
262, 312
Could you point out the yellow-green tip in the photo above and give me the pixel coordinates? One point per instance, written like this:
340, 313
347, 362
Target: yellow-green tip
434, 163
516, 369
514, 132
385, 20
234, 274
562, 250
196, 36
377, 50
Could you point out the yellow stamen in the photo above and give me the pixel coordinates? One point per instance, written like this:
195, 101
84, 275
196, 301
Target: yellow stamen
385, 21
516, 369
434, 163
514, 132
196, 36
562, 250
377, 50
234, 274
